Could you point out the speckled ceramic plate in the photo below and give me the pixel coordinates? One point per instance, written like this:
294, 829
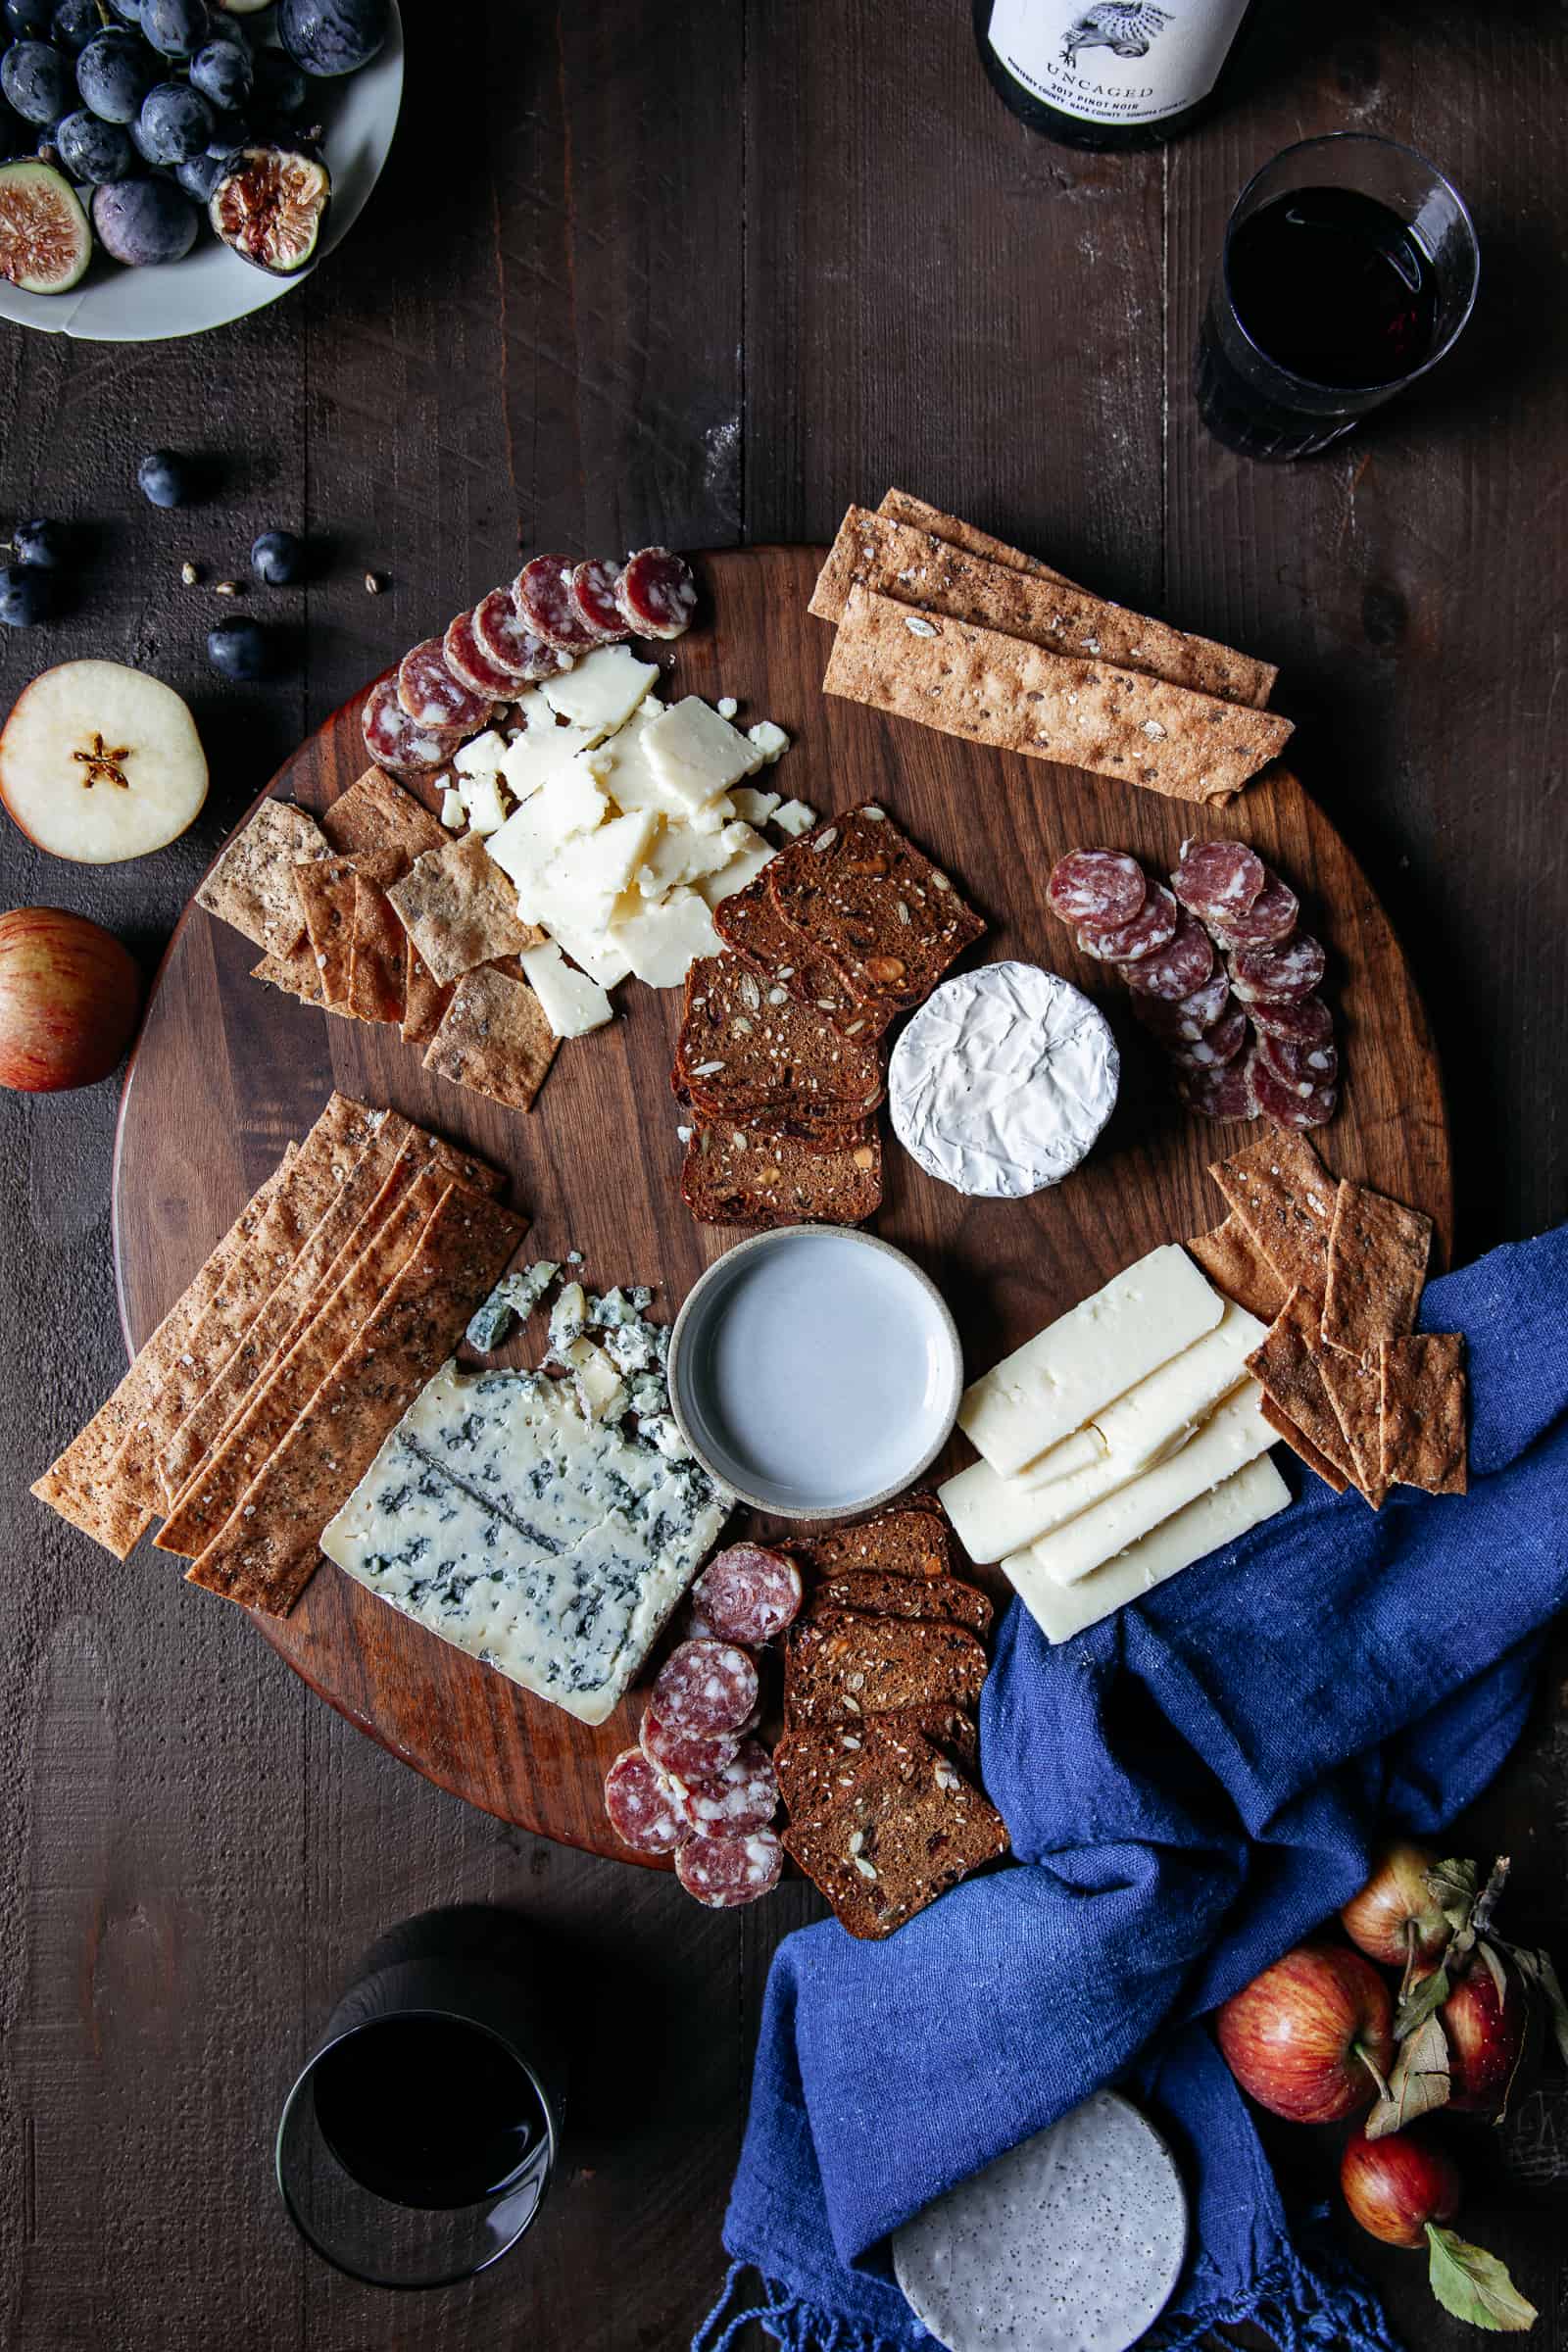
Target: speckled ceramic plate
1071, 2242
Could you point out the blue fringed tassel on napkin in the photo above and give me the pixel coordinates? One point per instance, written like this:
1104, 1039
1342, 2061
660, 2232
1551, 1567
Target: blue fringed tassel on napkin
1191, 1787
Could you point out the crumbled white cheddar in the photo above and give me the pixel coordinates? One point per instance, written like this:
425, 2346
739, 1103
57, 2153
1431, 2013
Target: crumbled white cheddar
794, 818
572, 1003
569, 802
662, 941
753, 805
749, 853
485, 802
727, 705
603, 691
770, 741
603, 861
680, 855
482, 757
695, 754
453, 813
540, 745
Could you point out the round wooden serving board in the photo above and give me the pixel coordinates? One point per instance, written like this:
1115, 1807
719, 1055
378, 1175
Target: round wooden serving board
227, 1071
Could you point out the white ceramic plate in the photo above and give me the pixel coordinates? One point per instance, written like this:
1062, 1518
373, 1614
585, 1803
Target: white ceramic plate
212, 286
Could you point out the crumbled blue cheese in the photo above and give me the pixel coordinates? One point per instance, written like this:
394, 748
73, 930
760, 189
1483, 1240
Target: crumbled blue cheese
513, 1299
569, 1320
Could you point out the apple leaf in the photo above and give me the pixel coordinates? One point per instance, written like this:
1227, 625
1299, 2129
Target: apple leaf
1454, 1885
1495, 1968
1474, 2285
1539, 1975
1418, 2083
1422, 2001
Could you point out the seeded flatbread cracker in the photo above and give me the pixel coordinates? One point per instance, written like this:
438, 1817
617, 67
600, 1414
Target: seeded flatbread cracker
889, 920
464, 1167
915, 567
1353, 1387
77, 1485
998, 690
1284, 1196
739, 1176
342, 1311
901, 506
252, 885
1287, 1368
1236, 1265
376, 813
325, 889
265, 1553
459, 910
1302, 1444
494, 1039
1377, 1265
424, 997
376, 957
296, 974
1425, 1398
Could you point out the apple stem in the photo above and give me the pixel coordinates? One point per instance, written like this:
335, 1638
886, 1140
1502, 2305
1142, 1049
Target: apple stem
1374, 2069
1491, 1895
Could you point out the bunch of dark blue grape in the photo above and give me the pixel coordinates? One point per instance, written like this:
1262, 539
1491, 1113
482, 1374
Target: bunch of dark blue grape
152, 102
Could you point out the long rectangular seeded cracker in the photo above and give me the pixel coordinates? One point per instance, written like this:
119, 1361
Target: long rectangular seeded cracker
1302, 1444
902, 506
325, 888
1353, 1389
1424, 1401
993, 689
494, 1039
1236, 1265
1287, 1368
252, 885
77, 1484
205, 1506
1284, 1196
375, 954
460, 909
915, 567
266, 1554
1377, 1267
376, 813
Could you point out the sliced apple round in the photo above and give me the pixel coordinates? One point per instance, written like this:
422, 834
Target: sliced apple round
99, 763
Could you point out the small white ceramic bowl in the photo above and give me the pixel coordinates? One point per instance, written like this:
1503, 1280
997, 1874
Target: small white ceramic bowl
816, 1371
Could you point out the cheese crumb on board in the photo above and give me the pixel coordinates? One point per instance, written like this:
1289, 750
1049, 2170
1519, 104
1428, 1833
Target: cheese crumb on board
574, 1003
454, 816
794, 818
770, 741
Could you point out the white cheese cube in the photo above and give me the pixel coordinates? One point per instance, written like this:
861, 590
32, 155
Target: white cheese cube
572, 1003
602, 863
598, 956
712, 818
679, 855
663, 940
794, 818
696, 753
749, 853
481, 795
482, 757
603, 691
770, 741
570, 802
753, 805
538, 746
453, 813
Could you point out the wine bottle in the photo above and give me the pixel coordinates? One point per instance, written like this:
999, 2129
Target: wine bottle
1108, 73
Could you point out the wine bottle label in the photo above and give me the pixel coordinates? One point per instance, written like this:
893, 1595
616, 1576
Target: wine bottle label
1116, 60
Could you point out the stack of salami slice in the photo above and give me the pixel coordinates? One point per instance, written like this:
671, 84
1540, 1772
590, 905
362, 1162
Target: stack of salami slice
1219, 973
448, 687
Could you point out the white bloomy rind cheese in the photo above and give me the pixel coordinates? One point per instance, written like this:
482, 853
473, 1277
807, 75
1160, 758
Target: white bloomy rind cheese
1003, 1081
548, 1546
1226, 1512
1065, 1375
1152, 1421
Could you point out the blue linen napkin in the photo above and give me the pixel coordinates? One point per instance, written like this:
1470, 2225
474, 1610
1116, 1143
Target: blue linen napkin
1191, 1787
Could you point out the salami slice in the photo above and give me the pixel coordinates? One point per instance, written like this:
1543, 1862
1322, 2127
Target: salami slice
504, 638
1153, 926
1308, 1024
542, 593
1283, 974
686, 1755
432, 697
1216, 1045
1173, 971
396, 744
472, 666
642, 1805
748, 1594
1218, 880
705, 1687
724, 1872
656, 593
1304, 1068
1225, 1092
1097, 888
736, 1800
1271, 916
1185, 1021
593, 592
1285, 1107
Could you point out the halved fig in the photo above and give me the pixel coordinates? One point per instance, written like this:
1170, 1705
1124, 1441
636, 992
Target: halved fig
45, 242
269, 205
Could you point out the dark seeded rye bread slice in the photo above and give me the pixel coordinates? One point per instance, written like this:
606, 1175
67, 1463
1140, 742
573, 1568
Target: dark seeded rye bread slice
817, 1770
783, 1068
843, 1665
875, 1593
737, 1176
910, 1539
889, 920
898, 1842
785, 957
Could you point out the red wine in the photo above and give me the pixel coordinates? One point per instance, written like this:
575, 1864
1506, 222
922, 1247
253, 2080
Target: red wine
1332, 284
1108, 73
427, 2111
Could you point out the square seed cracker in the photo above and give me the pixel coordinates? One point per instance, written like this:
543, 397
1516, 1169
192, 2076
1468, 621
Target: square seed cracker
1300, 1444
1354, 1387
1284, 1196
1236, 1265
325, 888
376, 813
459, 910
375, 954
424, 997
1287, 1366
1425, 1396
252, 885
1377, 1267
494, 1039
296, 974
889, 918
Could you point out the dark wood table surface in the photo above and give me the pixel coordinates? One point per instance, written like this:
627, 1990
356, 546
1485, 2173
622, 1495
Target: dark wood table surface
706, 273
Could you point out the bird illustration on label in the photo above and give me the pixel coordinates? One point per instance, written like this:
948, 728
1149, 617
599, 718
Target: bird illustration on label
1126, 28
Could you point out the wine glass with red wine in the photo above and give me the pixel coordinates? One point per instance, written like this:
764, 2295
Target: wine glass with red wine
1350, 268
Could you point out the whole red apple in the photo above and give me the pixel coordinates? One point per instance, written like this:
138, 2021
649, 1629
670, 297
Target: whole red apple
1311, 2037
1487, 2036
69, 999
1394, 2187
1395, 1918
